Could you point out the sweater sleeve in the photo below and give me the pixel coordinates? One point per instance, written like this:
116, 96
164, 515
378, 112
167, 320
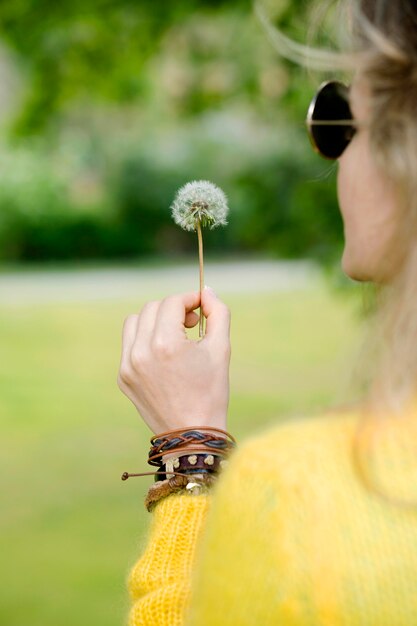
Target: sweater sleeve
159, 583
242, 573
206, 554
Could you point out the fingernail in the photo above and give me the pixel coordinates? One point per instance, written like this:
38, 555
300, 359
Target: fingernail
210, 290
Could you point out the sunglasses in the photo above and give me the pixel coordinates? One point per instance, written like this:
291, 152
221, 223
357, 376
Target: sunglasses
330, 122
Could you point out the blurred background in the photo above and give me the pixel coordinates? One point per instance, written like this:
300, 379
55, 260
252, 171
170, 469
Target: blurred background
106, 108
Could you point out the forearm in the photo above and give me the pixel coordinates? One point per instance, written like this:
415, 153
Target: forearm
160, 581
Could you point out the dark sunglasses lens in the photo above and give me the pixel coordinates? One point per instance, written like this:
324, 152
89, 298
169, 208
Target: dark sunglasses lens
331, 103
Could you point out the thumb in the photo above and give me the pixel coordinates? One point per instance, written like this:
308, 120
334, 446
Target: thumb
217, 314
210, 291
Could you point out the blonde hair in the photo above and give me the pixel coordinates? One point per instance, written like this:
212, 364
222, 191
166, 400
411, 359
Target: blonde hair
383, 45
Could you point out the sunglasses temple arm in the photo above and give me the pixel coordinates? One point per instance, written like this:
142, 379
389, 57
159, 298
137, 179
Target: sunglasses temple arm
331, 123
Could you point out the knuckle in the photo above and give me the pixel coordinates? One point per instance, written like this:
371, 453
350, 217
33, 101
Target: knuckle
129, 320
124, 377
174, 297
225, 309
138, 359
227, 349
162, 347
150, 304
223, 351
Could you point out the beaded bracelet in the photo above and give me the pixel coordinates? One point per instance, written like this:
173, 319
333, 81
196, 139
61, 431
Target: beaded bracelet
190, 464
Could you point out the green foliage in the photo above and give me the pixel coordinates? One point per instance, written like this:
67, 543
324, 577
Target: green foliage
86, 48
37, 218
143, 100
291, 210
280, 202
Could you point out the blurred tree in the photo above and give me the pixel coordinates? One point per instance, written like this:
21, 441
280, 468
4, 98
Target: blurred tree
124, 101
88, 48
97, 49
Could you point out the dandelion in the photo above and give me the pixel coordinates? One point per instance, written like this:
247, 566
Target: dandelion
200, 203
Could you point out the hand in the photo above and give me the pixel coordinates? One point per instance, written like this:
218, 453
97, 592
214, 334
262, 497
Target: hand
175, 382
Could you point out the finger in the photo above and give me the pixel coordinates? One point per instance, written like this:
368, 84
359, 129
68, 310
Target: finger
128, 338
146, 325
217, 314
171, 316
191, 319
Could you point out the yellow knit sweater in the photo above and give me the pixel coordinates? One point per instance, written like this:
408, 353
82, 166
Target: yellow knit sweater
289, 536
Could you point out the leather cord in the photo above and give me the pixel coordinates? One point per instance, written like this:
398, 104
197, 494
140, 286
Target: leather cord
181, 446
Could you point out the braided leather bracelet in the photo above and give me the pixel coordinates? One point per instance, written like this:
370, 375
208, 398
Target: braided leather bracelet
165, 444
187, 436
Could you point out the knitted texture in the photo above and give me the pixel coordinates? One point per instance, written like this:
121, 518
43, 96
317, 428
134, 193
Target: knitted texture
160, 581
289, 536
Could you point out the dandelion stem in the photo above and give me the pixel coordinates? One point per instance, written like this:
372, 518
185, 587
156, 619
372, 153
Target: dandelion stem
200, 256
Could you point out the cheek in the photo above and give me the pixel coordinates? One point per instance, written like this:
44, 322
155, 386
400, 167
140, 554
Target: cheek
344, 189
369, 209
351, 193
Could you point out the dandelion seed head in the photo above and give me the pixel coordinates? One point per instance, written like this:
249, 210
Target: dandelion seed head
199, 200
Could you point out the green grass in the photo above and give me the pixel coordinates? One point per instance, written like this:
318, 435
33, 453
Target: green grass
69, 528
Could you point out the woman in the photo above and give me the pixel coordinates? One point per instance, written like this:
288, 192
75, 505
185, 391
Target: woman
292, 533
